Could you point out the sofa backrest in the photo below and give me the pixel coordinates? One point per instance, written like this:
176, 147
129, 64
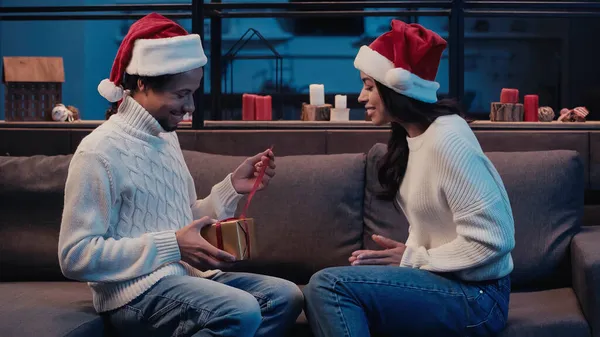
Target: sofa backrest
312, 215
309, 218
546, 193
31, 204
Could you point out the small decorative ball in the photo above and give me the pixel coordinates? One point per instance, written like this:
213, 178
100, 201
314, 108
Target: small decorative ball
60, 113
545, 114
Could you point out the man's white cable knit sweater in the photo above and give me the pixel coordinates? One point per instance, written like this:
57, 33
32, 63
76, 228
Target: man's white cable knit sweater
454, 199
128, 190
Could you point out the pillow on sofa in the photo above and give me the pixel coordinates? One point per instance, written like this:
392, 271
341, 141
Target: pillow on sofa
546, 194
309, 218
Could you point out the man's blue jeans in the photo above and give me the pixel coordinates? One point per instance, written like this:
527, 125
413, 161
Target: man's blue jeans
358, 301
228, 304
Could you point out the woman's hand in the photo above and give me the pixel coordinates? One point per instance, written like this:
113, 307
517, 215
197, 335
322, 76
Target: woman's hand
391, 255
245, 175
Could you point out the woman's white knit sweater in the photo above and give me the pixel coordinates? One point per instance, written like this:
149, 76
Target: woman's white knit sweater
456, 204
128, 190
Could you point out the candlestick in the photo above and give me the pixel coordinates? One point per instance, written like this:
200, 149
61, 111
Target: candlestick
340, 101
506, 112
531, 103
248, 107
264, 108
315, 113
317, 94
509, 96
268, 114
340, 115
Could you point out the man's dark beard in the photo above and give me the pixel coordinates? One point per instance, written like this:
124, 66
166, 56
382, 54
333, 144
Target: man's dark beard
164, 122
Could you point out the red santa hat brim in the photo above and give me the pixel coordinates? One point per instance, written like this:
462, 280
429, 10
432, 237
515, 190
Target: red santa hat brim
400, 80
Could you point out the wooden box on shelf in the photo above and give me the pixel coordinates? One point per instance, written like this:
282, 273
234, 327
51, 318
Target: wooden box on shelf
506, 112
33, 86
316, 112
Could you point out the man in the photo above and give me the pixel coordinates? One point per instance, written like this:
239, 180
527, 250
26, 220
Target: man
131, 218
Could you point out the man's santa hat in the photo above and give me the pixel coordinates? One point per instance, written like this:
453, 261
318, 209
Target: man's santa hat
153, 46
405, 59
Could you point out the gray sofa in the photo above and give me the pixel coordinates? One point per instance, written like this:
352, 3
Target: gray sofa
317, 211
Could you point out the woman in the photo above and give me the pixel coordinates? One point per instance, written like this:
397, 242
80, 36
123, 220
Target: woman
451, 277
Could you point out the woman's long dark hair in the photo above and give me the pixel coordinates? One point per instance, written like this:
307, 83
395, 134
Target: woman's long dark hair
392, 165
130, 82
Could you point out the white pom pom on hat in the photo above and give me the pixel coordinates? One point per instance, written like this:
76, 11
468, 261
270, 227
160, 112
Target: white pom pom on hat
398, 78
110, 91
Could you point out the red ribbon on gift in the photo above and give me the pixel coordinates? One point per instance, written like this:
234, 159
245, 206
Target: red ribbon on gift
242, 216
245, 228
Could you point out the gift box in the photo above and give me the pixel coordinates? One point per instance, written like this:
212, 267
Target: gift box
235, 236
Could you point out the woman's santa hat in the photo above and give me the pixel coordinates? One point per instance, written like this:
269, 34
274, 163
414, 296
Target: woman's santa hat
153, 46
405, 59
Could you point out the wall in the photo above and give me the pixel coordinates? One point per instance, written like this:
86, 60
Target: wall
494, 59
306, 60
584, 88
102, 40
528, 60
48, 38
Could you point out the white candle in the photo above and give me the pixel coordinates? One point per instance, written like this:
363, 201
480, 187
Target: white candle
317, 94
339, 115
340, 101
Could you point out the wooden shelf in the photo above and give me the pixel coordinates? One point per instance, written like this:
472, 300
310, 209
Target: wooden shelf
477, 125
554, 125
291, 124
52, 125
297, 124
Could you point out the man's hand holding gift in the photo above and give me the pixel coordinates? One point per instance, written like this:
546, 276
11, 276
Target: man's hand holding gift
198, 252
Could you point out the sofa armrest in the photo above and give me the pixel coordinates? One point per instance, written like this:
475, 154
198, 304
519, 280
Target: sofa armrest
585, 255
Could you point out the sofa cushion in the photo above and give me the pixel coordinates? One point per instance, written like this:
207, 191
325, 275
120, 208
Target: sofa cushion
31, 203
50, 309
309, 218
546, 313
546, 194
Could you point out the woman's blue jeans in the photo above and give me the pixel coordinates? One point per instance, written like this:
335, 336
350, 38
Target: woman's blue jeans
358, 301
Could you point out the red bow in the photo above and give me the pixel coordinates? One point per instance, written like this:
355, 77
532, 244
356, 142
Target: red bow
242, 217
